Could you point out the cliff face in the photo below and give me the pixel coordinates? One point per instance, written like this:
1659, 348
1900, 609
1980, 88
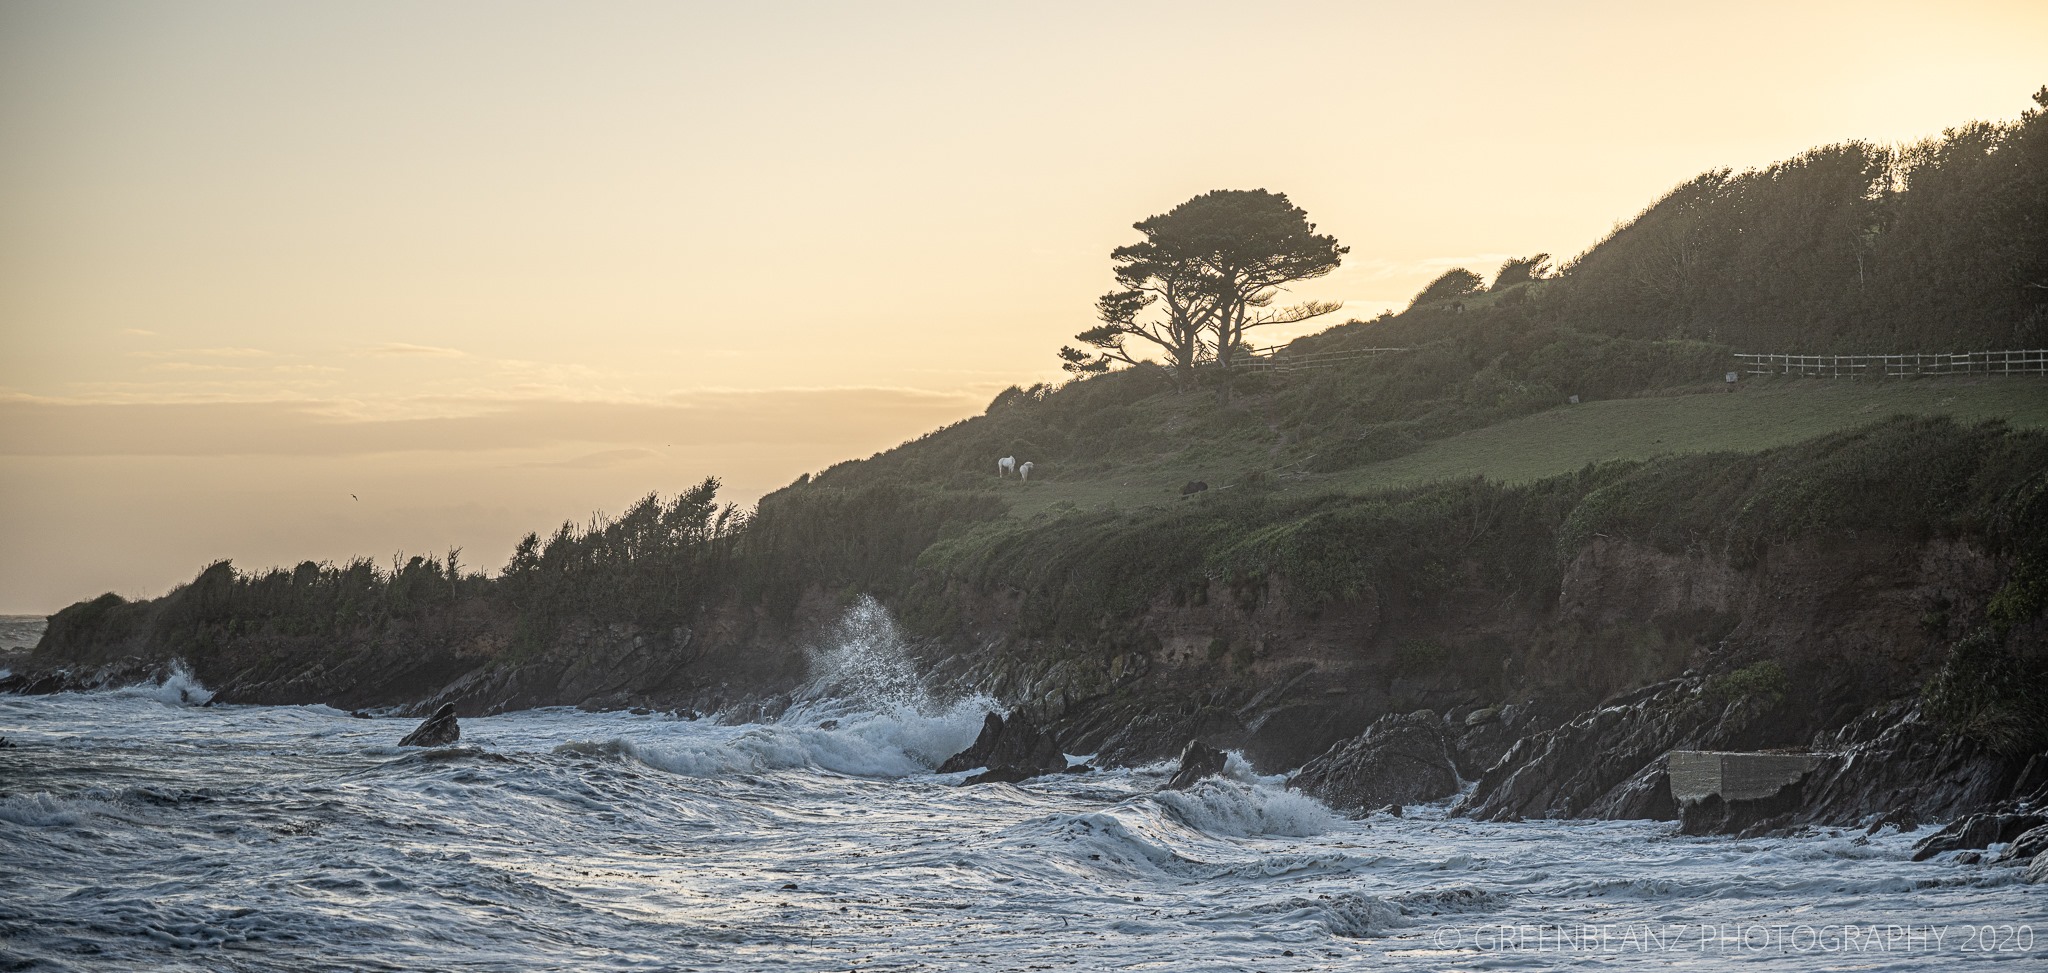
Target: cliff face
1847, 625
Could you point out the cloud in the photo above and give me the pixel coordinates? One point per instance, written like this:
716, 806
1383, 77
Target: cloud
604, 459
855, 420
400, 349
186, 366
140, 332
220, 352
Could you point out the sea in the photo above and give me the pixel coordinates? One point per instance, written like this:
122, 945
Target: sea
141, 829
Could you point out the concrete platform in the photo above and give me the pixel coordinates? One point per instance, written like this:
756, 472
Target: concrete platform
1699, 774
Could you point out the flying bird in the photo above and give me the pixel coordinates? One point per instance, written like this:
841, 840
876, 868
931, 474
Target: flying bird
355, 498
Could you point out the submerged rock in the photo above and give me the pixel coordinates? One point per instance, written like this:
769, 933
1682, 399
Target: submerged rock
1197, 760
439, 730
1000, 775
1397, 760
1904, 821
1011, 751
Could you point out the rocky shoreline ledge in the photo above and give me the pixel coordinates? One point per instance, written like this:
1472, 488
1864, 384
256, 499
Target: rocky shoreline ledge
1887, 768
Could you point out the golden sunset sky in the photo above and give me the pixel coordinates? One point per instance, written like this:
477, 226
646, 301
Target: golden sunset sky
283, 281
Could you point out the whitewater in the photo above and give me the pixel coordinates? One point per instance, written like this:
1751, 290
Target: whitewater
143, 830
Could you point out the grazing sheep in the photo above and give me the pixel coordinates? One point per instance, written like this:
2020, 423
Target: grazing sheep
1006, 465
1024, 472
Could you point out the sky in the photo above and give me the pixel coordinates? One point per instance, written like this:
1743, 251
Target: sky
286, 281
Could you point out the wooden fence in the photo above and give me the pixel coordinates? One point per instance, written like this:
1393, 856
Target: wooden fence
2031, 362
1277, 359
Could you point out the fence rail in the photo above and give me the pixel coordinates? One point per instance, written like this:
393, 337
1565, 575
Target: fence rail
1277, 359
2027, 362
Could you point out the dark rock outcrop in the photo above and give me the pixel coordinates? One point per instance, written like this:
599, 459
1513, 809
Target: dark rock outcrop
1486, 735
1608, 762
470, 653
1001, 775
2037, 872
1977, 831
1397, 760
1197, 760
1893, 760
438, 730
1011, 750
1644, 796
2026, 847
1600, 762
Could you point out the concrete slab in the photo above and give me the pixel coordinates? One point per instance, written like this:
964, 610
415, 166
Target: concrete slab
1699, 774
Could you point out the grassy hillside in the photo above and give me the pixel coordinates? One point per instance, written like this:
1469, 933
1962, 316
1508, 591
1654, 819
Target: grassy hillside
1756, 416
1082, 576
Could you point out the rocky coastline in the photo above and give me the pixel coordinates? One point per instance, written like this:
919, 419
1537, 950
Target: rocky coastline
1515, 710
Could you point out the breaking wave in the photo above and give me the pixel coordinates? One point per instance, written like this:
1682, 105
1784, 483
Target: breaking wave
865, 712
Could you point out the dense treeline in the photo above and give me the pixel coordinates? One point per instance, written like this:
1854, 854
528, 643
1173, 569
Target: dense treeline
659, 563
1851, 248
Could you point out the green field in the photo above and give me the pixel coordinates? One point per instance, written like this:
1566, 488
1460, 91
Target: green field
1756, 415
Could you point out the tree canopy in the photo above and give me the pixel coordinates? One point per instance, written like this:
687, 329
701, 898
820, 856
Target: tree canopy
1207, 271
1517, 270
1454, 283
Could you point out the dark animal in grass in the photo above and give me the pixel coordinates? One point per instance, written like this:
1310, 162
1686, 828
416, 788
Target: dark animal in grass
1193, 487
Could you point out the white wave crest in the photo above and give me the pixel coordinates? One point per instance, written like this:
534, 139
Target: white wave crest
1104, 839
898, 742
178, 688
1220, 806
865, 666
866, 713
1352, 915
45, 810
